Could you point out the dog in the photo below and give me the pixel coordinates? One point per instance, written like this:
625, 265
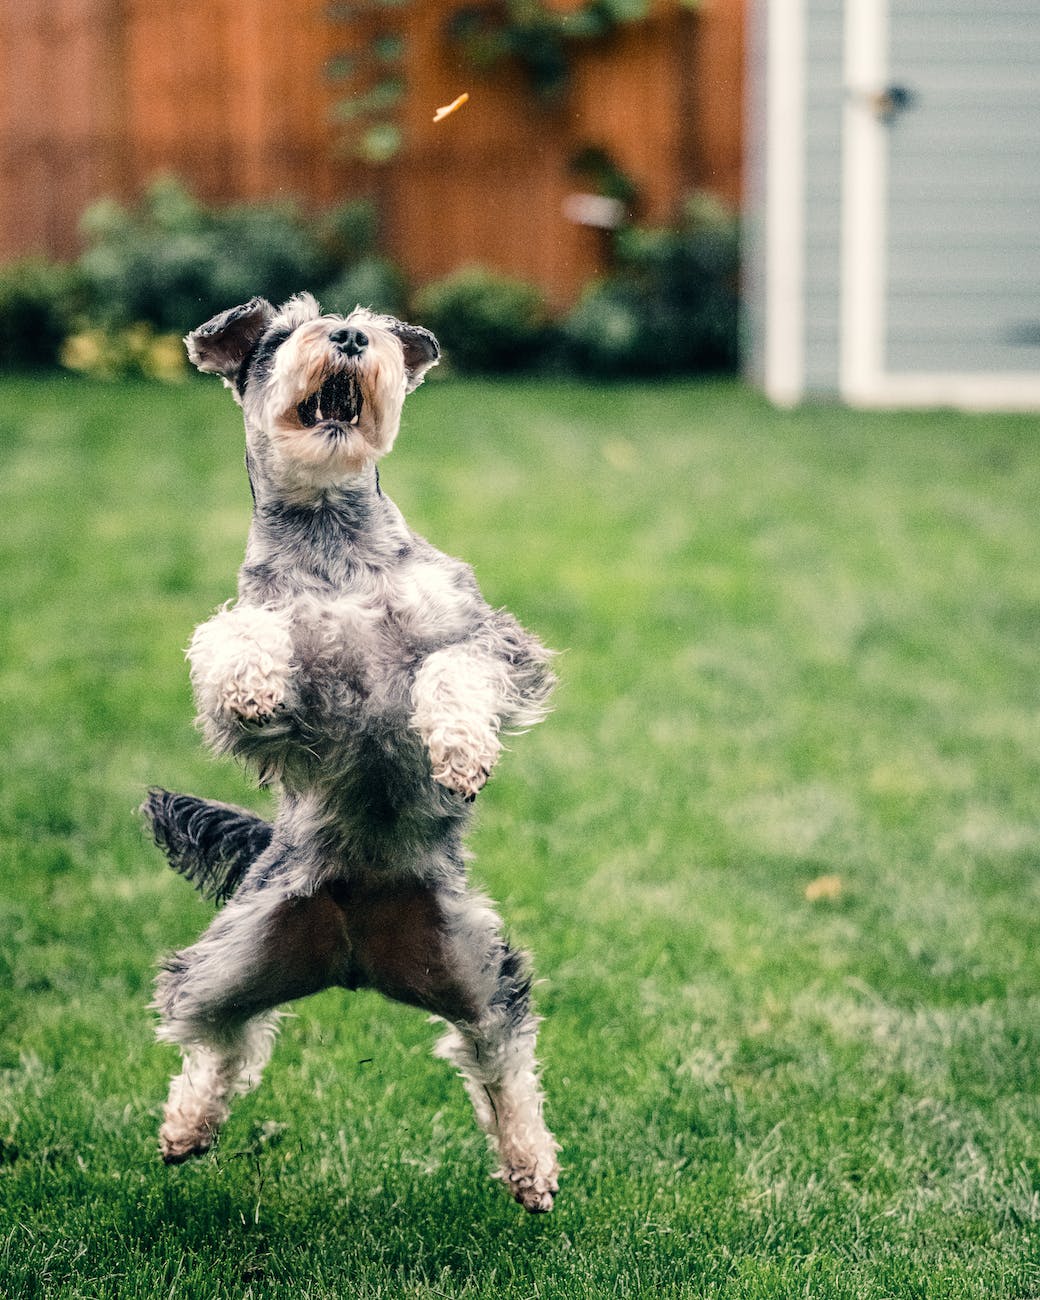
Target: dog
362, 672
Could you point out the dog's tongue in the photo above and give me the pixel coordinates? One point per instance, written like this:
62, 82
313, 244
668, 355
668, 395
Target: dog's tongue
339, 398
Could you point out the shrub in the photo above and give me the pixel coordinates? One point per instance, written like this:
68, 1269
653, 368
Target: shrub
670, 306
154, 271
38, 301
370, 282
486, 323
172, 263
349, 232
268, 250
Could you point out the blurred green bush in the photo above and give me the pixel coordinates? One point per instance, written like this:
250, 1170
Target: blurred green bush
486, 323
170, 262
369, 282
152, 272
671, 304
39, 301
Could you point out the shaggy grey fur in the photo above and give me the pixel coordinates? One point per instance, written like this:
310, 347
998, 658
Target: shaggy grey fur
361, 671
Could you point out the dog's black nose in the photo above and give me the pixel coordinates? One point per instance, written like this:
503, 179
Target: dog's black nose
350, 340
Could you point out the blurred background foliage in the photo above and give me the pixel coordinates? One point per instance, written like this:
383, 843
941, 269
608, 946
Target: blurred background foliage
665, 302
151, 272
539, 37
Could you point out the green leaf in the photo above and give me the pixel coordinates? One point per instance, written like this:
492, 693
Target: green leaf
381, 143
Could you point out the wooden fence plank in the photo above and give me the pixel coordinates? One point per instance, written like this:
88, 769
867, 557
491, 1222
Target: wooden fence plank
235, 99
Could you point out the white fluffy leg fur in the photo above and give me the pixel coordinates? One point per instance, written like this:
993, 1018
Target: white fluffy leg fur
460, 698
241, 660
498, 1068
201, 1095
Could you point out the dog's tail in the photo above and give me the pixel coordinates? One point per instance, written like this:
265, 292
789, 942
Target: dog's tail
211, 844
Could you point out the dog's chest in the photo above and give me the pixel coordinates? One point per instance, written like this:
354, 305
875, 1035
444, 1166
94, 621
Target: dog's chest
384, 621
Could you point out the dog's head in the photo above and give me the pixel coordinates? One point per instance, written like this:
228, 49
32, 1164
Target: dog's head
321, 394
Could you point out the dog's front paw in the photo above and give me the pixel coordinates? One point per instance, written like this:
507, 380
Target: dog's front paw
253, 696
461, 765
258, 706
464, 781
241, 667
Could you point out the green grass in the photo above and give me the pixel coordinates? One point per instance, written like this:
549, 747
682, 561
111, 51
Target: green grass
796, 645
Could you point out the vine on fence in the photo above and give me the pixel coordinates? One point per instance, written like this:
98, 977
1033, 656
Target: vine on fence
540, 36
370, 72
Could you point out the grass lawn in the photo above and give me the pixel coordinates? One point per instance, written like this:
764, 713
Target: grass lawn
797, 646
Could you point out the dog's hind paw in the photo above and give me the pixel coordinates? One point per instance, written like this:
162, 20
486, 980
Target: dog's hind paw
534, 1191
178, 1145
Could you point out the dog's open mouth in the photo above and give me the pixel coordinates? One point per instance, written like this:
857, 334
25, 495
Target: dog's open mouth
338, 399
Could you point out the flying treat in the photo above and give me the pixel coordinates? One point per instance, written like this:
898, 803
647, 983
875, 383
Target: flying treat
453, 107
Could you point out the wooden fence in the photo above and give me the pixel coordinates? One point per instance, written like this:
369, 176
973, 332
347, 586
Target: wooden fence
234, 97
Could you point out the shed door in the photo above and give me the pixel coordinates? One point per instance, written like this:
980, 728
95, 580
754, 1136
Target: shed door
941, 202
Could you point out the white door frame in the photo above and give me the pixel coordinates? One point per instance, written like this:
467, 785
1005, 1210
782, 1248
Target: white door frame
784, 326
863, 378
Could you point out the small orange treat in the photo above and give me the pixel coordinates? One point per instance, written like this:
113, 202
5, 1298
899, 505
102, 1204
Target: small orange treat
453, 107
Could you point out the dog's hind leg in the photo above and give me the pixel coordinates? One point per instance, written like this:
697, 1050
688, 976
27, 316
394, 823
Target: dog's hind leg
495, 1055
212, 1075
216, 1001
443, 950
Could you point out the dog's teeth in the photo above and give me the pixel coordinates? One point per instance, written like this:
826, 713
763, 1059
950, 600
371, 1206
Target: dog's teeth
318, 415
355, 419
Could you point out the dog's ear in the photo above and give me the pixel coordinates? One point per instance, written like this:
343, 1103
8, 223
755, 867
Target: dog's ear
421, 349
221, 345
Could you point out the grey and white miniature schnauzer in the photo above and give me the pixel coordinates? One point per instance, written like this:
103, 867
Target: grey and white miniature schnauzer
362, 671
